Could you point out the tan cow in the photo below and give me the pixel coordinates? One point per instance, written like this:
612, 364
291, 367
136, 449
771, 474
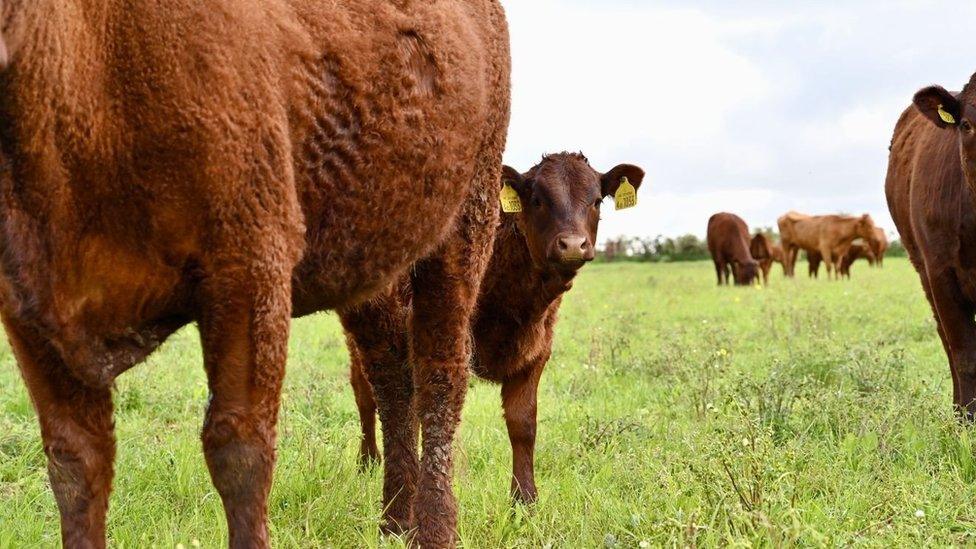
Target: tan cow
831, 236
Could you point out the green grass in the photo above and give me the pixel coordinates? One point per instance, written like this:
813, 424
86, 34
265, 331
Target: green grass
672, 412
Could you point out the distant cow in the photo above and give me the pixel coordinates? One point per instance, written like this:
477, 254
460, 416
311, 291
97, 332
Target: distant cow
728, 242
766, 252
857, 250
789, 240
879, 246
536, 255
930, 189
829, 235
234, 164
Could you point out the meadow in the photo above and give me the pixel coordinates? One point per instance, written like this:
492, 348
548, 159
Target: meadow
672, 413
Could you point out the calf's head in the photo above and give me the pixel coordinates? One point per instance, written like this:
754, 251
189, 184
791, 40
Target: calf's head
561, 199
950, 113
746, 273
865, 228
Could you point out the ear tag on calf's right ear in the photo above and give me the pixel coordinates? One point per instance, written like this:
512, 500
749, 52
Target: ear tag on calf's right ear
510, 200
945, 116
626, 195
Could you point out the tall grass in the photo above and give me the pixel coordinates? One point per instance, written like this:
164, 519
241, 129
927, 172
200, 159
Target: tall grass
672, 413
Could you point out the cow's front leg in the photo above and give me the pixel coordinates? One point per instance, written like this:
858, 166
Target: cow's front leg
519, 400
77, 430
244, 330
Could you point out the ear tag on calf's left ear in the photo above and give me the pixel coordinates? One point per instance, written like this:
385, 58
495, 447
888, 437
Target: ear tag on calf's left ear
945, 116
626, 195
510, 200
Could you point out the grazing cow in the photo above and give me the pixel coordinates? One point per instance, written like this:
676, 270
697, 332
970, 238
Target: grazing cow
235, 164
766, 252
930, 189
535, 258
830, 236
728, 242
879, 247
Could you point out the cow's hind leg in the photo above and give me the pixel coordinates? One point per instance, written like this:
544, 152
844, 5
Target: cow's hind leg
378, 330
77, 430
519, 400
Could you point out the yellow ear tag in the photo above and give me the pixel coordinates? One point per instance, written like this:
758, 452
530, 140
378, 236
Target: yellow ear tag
626, 195
945, 116
510, 200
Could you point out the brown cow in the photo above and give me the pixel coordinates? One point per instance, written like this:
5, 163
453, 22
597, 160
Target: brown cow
766, 253
728, 242
930, 189
536, 256
788, 239
879, 247
829, 235
857, 250
235, 164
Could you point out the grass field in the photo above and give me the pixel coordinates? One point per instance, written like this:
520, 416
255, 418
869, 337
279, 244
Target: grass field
672, 413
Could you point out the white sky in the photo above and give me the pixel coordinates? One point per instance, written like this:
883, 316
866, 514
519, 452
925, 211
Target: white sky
755, 107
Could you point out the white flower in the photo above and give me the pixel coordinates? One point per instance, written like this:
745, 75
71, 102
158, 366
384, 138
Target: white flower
644, 544
919, 513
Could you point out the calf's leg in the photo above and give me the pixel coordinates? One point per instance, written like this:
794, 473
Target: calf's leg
77, 431
519, 400
368, 452
955, 318
244, 331
377, 329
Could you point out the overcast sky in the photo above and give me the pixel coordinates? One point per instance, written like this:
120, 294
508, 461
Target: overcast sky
752, 107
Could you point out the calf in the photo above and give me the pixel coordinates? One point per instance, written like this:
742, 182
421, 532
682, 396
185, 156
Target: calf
235, 164
728, 242
930, 189
766, 252
536, 255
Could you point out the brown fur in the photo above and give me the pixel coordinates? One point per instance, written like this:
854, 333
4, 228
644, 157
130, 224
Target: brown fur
512, 331
879, 247
766, 252
236, 163
930, 197
856, 251
728, 242
829, 235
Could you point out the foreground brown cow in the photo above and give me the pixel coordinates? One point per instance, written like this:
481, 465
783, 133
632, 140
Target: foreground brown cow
536, 256
930, 184
828, 235
234, 164
765, 251
728, 242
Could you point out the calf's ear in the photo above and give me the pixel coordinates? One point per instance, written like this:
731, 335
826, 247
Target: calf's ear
939, 106
610, 181
513, 178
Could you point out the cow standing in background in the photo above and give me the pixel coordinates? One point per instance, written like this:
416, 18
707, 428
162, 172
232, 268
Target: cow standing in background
766, 252
829, 235
879, 246
728, 242
930, 188
789, 240
536, 256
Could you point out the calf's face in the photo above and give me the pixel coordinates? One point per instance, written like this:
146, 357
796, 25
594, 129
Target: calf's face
561, 199
943, 109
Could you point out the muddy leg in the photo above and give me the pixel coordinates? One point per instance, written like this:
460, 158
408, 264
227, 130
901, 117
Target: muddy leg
519, 400
378, 330
77, 431
244, 331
